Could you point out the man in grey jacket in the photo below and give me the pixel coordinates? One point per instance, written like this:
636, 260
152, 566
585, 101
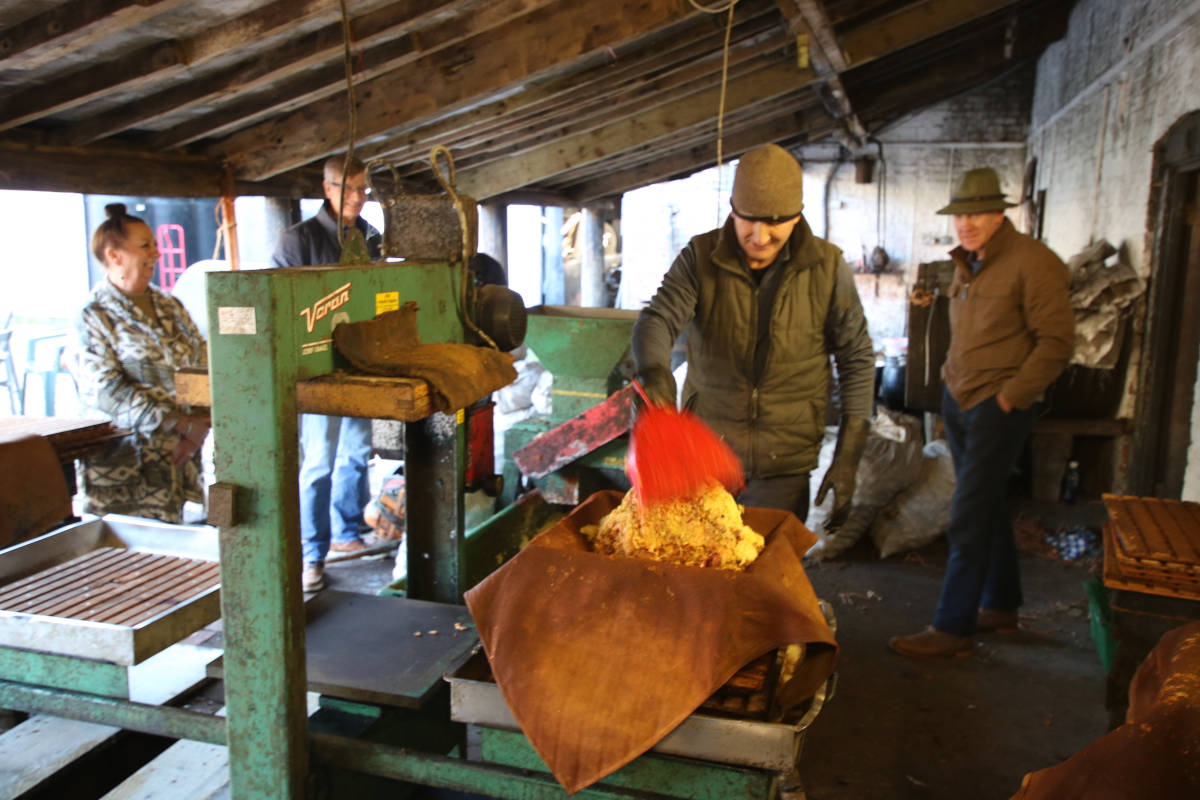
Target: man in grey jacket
765, 303
334, 479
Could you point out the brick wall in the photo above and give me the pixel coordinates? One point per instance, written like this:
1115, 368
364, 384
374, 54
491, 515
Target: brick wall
1124, 74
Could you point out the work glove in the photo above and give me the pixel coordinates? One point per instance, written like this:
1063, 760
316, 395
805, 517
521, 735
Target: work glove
659, 385
851, 441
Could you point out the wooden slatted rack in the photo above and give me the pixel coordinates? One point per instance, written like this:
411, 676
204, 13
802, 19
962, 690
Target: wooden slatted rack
112, 585
1153, 546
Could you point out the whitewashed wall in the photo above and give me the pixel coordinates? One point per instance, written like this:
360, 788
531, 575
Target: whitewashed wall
1125, 73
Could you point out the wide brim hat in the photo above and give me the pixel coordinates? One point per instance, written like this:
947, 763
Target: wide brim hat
768, 185
978, 191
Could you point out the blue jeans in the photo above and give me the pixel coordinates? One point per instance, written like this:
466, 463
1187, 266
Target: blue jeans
982, 570
334, 484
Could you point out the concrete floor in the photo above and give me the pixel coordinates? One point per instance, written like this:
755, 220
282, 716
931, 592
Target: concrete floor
902, 728
908, 728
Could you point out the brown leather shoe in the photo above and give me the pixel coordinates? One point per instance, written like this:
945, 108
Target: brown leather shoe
931, 643
991, 619
352, 546
313, 577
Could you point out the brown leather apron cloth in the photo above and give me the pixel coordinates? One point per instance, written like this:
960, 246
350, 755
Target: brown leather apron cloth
599, 657
1156, 753
457, 374
33, 491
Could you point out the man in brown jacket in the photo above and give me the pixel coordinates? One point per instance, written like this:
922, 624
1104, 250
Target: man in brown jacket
1012, 332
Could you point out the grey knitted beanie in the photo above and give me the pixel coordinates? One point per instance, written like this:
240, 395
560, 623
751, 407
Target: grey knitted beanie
768, 185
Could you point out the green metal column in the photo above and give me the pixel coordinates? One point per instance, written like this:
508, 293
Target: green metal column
269, 329
253, 368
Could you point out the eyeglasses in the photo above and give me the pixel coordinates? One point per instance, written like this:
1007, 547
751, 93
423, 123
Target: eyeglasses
351, 189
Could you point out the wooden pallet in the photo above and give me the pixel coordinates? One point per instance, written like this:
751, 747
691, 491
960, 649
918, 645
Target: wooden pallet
1152, 546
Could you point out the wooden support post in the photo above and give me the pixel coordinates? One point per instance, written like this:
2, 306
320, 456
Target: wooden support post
282, 213
493, 230
591, 270
552, 255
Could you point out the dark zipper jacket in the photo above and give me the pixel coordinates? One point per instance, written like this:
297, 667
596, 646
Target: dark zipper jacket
314, 242
774, 424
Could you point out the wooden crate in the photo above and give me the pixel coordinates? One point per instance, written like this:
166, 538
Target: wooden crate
1152, 546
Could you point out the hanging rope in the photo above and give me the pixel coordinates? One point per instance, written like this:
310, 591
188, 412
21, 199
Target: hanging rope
226, 222
724, 81
468, 247
708, 10
347, 40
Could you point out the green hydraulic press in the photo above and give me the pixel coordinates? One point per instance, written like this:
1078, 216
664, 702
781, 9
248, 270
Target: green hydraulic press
387, 714
586, 350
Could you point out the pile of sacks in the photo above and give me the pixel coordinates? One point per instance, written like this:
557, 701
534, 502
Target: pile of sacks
903, 492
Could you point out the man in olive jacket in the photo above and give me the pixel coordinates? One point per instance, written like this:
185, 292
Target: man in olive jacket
765, 303
1012, 331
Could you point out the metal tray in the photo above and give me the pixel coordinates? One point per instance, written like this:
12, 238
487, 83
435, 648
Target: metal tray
145, 614
476, 699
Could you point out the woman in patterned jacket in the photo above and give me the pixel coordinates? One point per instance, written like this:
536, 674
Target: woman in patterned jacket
132, 339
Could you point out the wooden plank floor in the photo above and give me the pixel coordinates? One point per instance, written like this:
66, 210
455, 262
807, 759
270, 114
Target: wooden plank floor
33, 751
185, 771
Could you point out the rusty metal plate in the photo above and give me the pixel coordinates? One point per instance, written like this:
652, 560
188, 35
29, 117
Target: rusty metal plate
375, 649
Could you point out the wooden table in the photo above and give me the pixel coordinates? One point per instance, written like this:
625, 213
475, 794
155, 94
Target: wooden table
70, 438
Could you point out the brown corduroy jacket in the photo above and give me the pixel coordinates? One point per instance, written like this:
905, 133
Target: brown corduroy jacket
1012, 330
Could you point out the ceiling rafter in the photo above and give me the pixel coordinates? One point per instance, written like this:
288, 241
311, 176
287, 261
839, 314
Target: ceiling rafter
128, 71
514, 133
913, 23
687, 53
817, 42
598, 145
255, 31
697, 108
388, 35
549, 36
696, 156
560, 98
52, 34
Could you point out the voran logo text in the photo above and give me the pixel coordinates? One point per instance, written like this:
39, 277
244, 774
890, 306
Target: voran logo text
320, 309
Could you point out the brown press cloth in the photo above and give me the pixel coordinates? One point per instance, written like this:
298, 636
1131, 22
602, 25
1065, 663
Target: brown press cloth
1156, 753
457, 374
33, 491
599, 657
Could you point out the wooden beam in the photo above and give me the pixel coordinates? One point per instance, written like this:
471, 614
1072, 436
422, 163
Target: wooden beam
550, 37
815, 38
913, 24
265, 65
958, 70
808, 18
65, 28
571, 151
684, 162
133, 171
614, 78
518, 132
801, 105
247, 32
389, 39
126, 72
554, 158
